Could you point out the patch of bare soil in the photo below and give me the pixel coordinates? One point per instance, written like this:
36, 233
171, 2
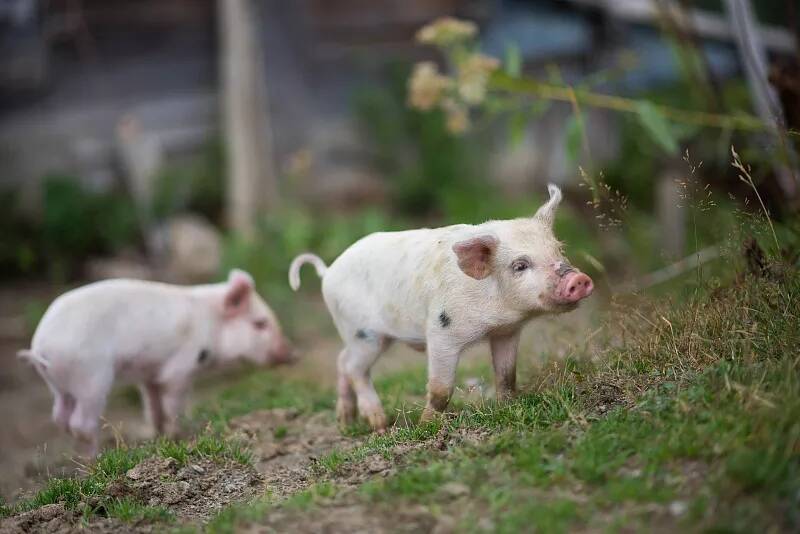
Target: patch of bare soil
603, 395
286, 445
347, 511
56, 519
195, 491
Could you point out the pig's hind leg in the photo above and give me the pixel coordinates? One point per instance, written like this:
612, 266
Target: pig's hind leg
90, 402
63, 406
356, 361
63, 403
346, 400
84, 424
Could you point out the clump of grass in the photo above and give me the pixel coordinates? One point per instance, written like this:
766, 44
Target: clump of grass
129, 511
215, 446
114, 463
333, 460
382, 444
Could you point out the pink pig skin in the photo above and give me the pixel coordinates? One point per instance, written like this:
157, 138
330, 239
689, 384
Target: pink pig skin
442, 290
151, 334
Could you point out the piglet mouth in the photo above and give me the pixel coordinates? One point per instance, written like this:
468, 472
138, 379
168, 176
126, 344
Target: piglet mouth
573, 287
284, 355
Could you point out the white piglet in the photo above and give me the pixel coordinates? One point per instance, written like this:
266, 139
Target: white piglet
152, 334
443, 289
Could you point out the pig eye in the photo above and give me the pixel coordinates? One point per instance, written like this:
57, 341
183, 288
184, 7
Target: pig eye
520, 265
261, 324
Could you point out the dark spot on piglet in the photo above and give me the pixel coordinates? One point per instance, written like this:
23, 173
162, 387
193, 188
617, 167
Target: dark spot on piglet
361, 334
444, 319
564, 268
203, 356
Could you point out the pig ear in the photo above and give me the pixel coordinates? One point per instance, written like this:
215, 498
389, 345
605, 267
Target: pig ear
475, 255
237, 295
547, 213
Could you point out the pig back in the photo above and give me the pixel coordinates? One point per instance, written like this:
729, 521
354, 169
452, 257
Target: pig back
386, 281
114, 319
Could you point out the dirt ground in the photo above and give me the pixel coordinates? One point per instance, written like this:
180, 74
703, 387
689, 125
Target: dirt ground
33, 449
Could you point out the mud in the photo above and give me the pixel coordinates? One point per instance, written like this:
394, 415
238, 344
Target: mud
286, 446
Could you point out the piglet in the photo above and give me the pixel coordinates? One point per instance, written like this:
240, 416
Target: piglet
151, 334
443, 289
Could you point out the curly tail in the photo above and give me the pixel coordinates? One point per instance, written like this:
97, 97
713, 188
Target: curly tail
298, 262
33, 358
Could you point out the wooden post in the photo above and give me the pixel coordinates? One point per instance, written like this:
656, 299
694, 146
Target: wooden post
251, 180
753, 55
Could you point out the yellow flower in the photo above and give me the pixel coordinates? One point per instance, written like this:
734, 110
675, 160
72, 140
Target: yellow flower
426, 86
446, 31
473, 77
457, 120
299, 163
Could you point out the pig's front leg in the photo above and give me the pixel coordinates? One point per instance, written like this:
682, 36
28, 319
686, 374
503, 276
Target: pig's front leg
356, 362
504, 360
443, 356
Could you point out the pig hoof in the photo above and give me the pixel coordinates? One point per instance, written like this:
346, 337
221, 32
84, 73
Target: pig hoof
377, 421
345, 413
429, 414
379, 430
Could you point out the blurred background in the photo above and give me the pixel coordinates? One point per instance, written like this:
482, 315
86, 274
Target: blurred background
175, 139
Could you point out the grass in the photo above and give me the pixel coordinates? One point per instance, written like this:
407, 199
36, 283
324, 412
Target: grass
704, 434
232, 517
682, 414
114, 463
130, 511
740, 452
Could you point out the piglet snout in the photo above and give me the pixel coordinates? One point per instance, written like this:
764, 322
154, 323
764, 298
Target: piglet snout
573, 287
282, 353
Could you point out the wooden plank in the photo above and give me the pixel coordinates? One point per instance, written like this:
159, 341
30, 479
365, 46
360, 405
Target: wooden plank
251, 178
703, 23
